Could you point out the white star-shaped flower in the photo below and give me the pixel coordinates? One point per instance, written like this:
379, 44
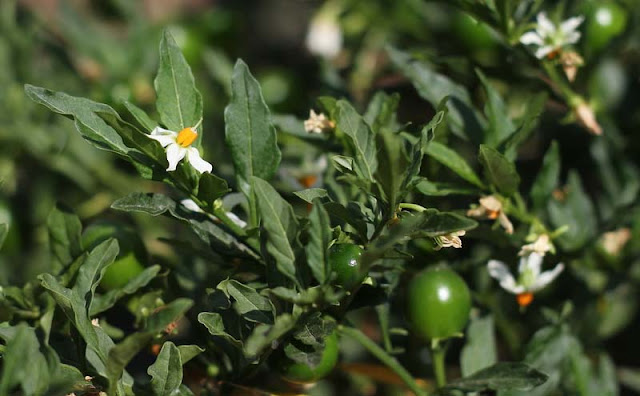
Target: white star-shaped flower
530, 279
178, 146
550, 38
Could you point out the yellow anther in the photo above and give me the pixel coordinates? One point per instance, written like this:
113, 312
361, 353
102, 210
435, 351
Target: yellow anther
186, 137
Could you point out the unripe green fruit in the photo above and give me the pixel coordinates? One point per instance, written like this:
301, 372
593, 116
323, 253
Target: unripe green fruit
438, 303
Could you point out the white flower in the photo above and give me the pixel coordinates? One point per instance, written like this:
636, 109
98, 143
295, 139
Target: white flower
178, 146
317, 123
491, 208
550, 38
541, 246
95, 322
530, 279
324, 37
450, 240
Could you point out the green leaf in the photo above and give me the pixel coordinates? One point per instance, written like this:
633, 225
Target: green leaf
577, 212
4, 230
363, 142
310, 194
140, 116
435, 189
64, 237
164, 316
105, 301
499, 170
500, 126
178, 101
501, 376
527, 124
211, 187
479, 352
214, 323
85, 113
166, 371
157, 204
381, 112
441, 223
393, 167
315, 330
434, 87
249, 134
453, 161
347, 215
93, 268
188, 352
263, 335
121, 354
248, 303
22, 363
280, 224
547, 178
317, 248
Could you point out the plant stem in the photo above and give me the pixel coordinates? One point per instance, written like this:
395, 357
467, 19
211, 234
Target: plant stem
384, 357
438, 352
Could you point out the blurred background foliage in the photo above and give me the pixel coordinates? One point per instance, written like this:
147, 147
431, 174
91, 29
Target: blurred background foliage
107, 50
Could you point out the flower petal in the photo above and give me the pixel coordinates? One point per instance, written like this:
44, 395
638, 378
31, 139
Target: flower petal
175, 153
531, 263
572, 38
544, 51
498, 270
571, 24
545, 26
164, 136
505, 223
193, 156
546, 277
531, 38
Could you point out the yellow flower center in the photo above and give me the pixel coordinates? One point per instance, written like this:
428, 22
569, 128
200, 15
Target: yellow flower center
186, 137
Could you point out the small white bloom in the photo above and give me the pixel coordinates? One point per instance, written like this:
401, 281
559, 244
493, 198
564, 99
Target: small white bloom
491, 208
317, 123
324, 37
449, 240
550, 38
88, 378
178, 146
95, 322
541, 246
530, 279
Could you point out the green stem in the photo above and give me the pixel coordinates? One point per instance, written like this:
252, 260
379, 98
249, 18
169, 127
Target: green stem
438, 352
384, 357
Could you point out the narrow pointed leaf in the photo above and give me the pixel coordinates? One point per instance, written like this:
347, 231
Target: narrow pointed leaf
453, 161
249, 133
178, 101
166, 372
319, 240
280, 224
362, 137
